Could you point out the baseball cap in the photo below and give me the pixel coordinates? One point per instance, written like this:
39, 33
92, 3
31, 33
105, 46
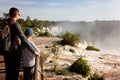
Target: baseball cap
29, 31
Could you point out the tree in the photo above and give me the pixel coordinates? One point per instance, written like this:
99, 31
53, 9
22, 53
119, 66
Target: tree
28, 22
22, 24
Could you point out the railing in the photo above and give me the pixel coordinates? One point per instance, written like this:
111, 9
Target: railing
38, 69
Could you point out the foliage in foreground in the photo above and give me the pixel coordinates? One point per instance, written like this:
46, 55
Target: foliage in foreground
46, 33
62, 72
92, 48
70, 39
96, 76
55, 51
81, 67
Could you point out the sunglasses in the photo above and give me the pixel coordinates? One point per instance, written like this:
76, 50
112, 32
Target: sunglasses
19, 14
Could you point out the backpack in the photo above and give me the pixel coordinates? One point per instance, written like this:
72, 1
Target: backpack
5, 37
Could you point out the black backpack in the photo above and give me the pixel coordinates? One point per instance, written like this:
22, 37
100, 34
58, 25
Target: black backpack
5, 37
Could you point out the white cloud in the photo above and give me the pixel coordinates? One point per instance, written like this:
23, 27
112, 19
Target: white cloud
85, 10
56, 4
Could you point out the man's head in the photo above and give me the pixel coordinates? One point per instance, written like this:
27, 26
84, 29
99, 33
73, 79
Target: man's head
14, 12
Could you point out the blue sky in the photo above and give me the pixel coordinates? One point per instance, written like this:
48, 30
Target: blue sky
57, 10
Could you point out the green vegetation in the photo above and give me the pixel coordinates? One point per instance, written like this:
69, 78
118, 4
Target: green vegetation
96, 76
81, 67
70, 39
55, 51
62, 72
46, 33
44, 56
92, 48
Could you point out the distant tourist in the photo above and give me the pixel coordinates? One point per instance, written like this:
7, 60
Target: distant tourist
28, 57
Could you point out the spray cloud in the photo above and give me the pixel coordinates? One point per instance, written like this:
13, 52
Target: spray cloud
102, 34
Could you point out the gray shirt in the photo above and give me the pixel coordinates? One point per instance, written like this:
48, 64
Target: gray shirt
16, 34
28, 57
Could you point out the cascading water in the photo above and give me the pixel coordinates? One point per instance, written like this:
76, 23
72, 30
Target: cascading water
102, 34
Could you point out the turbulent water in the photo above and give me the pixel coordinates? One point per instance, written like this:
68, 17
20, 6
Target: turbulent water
102, 34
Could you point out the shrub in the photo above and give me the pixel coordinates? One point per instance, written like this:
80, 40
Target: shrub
46, 33
36, 32
62, 72
55, 51
44, 57
70, 39
92, 48
95, 76
81, 67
